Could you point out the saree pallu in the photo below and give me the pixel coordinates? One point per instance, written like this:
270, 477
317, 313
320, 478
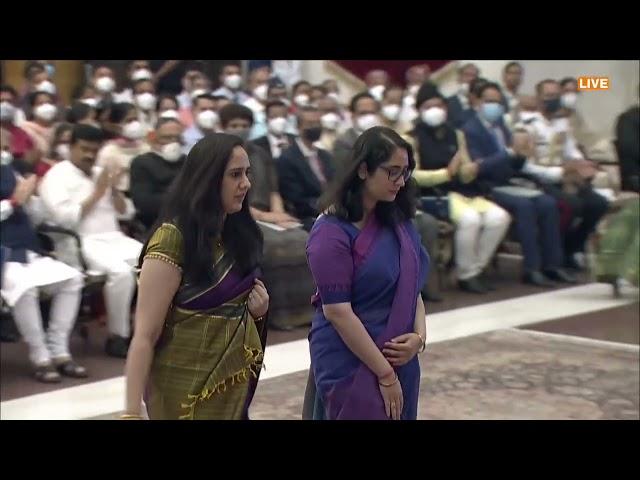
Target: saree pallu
388, 265
209, 356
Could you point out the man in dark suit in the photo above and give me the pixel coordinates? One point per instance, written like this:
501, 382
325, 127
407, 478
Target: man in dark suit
276, 140
459, 108
535, 214
305, 170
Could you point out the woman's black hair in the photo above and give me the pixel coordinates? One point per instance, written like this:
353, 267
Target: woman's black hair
119, 111
194, 205
344, 197
78, 111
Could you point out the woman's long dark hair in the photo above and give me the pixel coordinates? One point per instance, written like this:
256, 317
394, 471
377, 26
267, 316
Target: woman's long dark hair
194, 205
344, 197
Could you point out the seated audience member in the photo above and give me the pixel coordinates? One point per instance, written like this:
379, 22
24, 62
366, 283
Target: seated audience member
377, 81
145, 100
391, 106
22, 146
118, 153
152, 172
317, 93
104, 81
259, 87
26, 273
442, 154
265, 202
206, 120
458, 106
535, 214
41, 119
365, 112
81, 196
167, 107
332, 122
58, 151
231, 82
304, 170
276, 140
136, 70
193, 79
560, 166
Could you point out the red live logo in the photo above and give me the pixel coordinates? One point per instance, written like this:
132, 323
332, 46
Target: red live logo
593, 83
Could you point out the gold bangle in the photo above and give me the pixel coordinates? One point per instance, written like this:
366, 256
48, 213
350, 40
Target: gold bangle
424, 344
130, 416
389, 384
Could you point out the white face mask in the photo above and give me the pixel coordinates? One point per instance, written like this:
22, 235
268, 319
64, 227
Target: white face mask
277, 125
330, 121
260, 92
434, 116
172, 152
377, 92
529, 117
105, 84
133, 130
46, 111
334, 95
365, 122
391, 112
63, 151
207, 119
170, 114
413, 90
198, 92
142, 74
6, 157
46, 86
464, 89
146, 101
569, 100
233, 81
7, 112
409, 101
92, 102
301, 100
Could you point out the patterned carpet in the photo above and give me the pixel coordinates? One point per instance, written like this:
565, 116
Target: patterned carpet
507, 374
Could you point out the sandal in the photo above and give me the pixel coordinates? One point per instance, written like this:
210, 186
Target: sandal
47, 374
71, 369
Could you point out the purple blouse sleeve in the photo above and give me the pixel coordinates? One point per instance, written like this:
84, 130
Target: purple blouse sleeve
331, 263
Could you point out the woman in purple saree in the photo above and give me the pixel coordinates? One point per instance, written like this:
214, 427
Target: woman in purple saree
369, 266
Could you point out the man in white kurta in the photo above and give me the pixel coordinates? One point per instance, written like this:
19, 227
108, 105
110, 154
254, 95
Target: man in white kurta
26, 273
80, 196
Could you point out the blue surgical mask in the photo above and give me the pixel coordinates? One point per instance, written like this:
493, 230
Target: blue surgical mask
492, 111
51, 70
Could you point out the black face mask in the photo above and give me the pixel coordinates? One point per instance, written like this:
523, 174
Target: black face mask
312, 134
553, 105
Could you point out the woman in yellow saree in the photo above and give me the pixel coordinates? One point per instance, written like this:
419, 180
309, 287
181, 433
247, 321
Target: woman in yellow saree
200, 333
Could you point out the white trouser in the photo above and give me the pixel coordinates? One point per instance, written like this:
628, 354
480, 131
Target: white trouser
477, 237
114, 254
62, 316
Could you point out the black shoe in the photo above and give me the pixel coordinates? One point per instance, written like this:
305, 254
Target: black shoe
8, 332
571, 264
560, 275
536, 278
472, 285
488, 284
117, 346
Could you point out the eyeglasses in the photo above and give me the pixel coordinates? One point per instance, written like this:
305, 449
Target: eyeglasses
396, 173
